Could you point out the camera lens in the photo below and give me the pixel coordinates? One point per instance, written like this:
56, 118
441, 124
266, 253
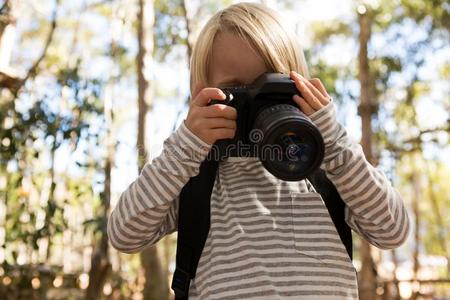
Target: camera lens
296, 148
291, 146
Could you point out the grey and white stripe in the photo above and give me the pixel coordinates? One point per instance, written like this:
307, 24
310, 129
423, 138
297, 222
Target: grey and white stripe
269, 239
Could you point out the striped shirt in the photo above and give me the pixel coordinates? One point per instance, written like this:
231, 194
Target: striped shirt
269, 238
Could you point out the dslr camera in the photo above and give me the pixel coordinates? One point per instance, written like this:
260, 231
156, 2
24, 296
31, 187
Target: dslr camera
271, 126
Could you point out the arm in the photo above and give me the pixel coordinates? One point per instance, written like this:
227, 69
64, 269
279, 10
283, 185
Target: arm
374, 209
147, 210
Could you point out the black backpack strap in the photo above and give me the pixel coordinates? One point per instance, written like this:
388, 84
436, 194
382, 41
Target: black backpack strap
335, 206
193, 226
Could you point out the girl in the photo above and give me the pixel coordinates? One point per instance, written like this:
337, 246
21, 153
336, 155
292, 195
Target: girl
268, 238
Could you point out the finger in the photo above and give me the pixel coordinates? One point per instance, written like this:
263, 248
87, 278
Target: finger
206, 94
219, 123
304, 106
222, 133
198, 87
320, 97
219, 111
319, 85
307, 94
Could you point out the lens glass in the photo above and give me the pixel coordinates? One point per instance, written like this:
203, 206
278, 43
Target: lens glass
297, 152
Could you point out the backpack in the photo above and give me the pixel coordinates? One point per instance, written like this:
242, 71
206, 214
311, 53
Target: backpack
194, 221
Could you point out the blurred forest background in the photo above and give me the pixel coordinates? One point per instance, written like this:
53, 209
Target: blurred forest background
85, 84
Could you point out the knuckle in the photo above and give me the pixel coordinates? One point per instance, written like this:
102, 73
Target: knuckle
200, 123
220, 108
215, 109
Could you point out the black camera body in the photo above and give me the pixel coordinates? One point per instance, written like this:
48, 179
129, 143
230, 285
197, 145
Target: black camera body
271, 126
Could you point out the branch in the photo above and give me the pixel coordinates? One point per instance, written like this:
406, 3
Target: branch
5, 17
188, 28
417, 139
9, 81
75, 38
33, 70
415, 143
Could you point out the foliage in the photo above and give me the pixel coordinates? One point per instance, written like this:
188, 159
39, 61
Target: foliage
54, 133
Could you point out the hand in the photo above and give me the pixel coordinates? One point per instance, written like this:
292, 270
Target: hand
210, 123
314, 94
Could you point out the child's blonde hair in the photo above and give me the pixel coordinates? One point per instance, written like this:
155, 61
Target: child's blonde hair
259, 25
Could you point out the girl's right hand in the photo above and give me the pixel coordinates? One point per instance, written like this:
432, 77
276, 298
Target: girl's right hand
210, 123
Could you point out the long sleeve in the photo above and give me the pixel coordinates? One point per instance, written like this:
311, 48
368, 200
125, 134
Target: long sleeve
374, 209
147, 209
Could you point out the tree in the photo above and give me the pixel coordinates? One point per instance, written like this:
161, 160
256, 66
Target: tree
379, 68
367, 107
156, 286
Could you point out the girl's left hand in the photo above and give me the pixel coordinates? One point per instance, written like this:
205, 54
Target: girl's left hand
314, 96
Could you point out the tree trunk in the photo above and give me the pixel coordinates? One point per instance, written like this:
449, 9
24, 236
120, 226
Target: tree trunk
100, 263
145, 48
367, 107
442, 228
189, 47
51, 203
189, 43
156, 285
415, 180
394, 276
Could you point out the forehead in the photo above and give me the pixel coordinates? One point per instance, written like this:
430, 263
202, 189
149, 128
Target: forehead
233, 60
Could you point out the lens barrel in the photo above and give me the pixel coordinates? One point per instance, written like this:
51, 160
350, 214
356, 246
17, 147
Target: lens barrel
291, 146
